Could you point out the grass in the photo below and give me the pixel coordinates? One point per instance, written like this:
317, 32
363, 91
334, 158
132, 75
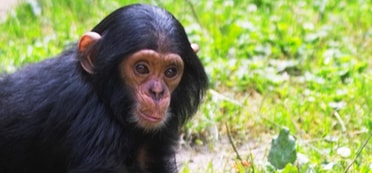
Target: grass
304, 65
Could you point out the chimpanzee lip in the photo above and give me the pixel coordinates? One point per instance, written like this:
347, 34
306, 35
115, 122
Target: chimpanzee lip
149, 117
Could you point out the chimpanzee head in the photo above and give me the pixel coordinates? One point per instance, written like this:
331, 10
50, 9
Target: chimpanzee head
140, 61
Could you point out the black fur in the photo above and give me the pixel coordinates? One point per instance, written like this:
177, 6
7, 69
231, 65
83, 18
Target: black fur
56, 118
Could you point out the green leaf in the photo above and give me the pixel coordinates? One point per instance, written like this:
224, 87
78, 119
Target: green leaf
283, 150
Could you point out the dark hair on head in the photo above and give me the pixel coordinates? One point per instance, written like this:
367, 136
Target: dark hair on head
143, 27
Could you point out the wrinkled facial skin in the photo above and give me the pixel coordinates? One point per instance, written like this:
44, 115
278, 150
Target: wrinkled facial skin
153, 77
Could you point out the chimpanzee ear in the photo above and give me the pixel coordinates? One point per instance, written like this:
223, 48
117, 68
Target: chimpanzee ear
86, 41
195, 47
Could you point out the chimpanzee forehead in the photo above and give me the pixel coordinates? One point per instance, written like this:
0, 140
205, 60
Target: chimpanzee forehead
157, 57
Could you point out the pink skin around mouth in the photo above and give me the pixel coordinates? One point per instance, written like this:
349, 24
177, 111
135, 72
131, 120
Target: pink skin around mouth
149, 117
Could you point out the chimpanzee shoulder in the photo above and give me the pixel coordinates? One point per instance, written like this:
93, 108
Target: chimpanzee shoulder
44, 106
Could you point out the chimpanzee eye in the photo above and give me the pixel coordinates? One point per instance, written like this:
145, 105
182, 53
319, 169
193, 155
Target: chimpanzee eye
142, 69
171, 72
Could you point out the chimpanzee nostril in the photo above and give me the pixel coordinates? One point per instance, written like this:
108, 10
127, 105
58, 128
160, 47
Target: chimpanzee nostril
156, 94
156, 91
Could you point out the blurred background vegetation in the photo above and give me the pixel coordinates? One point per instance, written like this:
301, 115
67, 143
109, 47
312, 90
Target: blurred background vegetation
300, 64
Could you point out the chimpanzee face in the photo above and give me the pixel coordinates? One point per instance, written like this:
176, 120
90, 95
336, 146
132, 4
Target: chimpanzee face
152, 76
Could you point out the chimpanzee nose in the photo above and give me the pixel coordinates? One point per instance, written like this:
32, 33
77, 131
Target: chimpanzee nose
156, 91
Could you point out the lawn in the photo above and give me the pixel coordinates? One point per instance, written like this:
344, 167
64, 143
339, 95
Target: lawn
302, 65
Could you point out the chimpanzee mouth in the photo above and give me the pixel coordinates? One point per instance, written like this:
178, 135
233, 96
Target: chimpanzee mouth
150, 117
